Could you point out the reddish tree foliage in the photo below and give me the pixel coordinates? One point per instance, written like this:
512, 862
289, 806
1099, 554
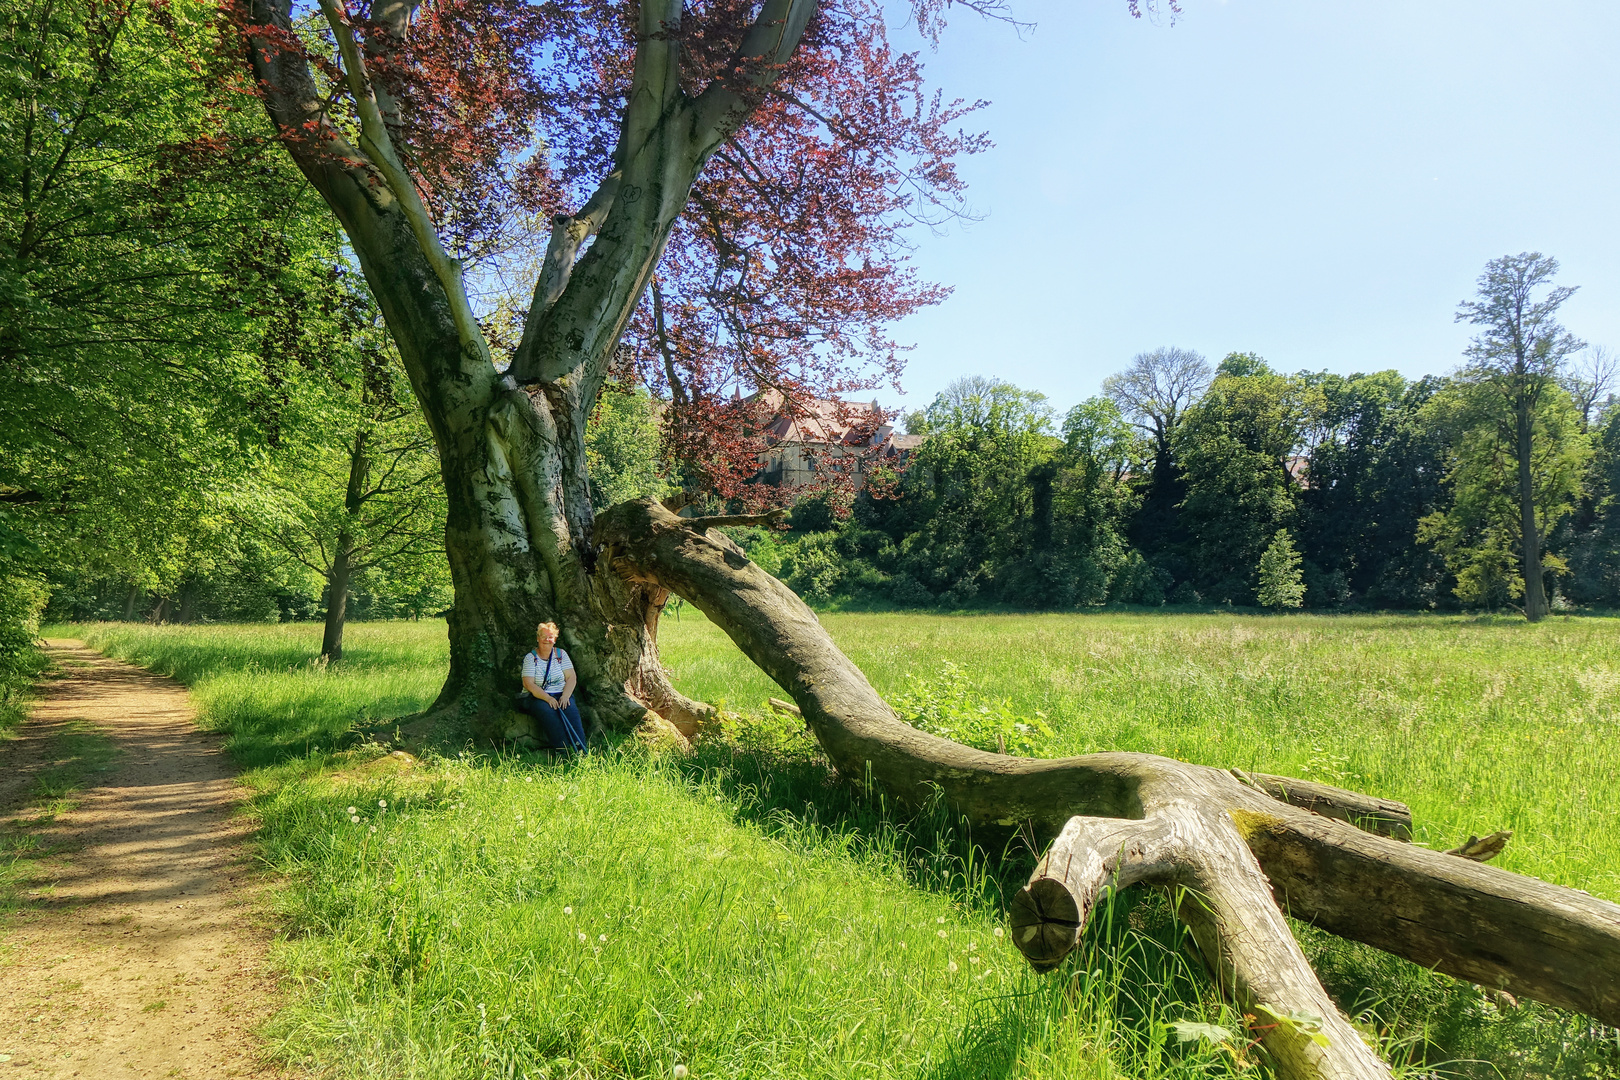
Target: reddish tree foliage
790, 265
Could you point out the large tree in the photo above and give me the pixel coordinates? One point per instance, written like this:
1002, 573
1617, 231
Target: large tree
798, 138
1520, 352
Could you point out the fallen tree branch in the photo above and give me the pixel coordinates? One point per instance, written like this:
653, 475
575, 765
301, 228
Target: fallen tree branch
1386, 817
718, 521
1476, 922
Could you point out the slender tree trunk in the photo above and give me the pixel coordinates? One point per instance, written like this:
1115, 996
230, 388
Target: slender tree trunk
337, 600
130, 604
1535, 593
337, 575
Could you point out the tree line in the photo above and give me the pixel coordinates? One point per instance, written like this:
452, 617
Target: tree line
1235, 484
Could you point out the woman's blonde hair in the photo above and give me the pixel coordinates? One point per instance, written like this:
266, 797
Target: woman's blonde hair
547, 626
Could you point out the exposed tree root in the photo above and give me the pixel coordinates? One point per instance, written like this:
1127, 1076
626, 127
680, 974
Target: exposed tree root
1215, 835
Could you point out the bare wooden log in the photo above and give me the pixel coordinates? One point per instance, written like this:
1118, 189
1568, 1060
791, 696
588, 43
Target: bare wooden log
1502, 930
717, 521
1386, 817
1090, 857
1226, 900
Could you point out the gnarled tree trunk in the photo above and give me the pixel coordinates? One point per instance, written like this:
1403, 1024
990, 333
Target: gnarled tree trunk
519, 532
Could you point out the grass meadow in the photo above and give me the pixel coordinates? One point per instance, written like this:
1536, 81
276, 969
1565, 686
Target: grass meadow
741, 914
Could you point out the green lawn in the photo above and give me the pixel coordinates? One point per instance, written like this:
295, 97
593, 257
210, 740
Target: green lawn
762, 921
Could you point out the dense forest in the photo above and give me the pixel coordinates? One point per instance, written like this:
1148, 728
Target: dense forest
1231, 484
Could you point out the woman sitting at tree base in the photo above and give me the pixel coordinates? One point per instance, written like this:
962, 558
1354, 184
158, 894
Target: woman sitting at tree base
548, 693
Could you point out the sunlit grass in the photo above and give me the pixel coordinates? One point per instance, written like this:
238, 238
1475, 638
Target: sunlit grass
806, 917
1478, 723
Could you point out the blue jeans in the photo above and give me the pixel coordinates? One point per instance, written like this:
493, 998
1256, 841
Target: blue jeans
560, 729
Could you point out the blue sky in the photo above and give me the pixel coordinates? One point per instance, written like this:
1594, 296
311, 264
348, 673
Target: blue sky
1320, 183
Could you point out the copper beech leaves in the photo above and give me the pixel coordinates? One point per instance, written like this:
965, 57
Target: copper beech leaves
790, 264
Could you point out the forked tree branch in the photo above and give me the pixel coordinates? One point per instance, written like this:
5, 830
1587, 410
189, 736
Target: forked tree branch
379, 145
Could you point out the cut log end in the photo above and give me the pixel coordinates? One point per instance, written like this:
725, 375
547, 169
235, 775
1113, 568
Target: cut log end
1045, 922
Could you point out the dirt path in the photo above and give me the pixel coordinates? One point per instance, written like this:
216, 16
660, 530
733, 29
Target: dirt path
139, 954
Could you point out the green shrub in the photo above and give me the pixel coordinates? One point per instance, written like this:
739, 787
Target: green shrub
951, 707
22, 598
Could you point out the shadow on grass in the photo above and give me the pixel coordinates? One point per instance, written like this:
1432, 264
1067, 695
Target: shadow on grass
1133, 955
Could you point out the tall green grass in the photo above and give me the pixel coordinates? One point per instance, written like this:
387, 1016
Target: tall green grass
763, 919
1478, 723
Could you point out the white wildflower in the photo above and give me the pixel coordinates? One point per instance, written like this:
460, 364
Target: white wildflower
568, 911
383, 803
951, 967
999, 932
582, 935
352, 810
943, 934
681, 1073
601, 937
355, 819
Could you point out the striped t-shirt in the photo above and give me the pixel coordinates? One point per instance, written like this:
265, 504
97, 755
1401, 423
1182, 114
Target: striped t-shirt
534, 666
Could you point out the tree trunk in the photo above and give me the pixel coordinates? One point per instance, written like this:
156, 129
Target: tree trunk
1200, 829
1535, 591
337, 575
134, 599
337, 600
519, 530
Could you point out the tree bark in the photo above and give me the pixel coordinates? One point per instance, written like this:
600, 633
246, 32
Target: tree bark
1535, 592
337, 599
1476, 922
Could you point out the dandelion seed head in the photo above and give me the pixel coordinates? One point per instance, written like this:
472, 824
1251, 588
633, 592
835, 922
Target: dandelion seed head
355, 819
941, 919
999, 932
973, 959
374, 828
681, 1073
943, 934
352, 810
951, 966
383, 803
601, 937
973, 946
528, 779
582, 935
568, 911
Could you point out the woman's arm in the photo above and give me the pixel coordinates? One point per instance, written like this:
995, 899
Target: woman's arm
569, 679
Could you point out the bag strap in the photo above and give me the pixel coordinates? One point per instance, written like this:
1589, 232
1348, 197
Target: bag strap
546, 678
